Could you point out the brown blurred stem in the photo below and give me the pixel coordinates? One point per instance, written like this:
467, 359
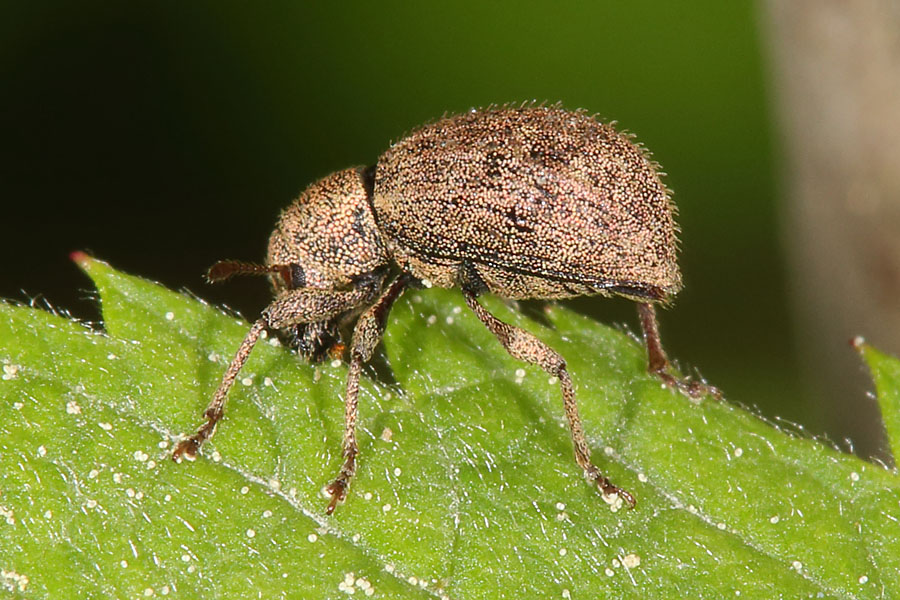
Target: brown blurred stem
836, 68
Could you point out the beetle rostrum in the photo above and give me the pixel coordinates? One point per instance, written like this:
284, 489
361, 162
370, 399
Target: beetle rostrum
528, 202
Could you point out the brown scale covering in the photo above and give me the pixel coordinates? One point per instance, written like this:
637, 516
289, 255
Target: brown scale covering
329, 232
543, 202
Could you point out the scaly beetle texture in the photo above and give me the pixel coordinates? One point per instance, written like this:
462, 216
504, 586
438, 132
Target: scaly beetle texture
528, 202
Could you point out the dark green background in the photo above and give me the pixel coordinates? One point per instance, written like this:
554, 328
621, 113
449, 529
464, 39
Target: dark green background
165, 136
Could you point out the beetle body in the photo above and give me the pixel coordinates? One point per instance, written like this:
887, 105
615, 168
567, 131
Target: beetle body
546, 203
528, 202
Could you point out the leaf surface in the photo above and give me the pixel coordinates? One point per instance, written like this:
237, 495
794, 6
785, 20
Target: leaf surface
466, 487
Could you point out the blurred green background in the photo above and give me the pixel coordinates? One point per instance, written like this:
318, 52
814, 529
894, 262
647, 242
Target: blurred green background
164, 136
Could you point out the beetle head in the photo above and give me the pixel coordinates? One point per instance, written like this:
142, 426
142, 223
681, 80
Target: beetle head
328, 239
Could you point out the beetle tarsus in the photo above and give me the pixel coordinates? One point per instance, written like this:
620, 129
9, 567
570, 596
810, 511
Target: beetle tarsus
689, 387
658, 363
609, 489
337, 489
187, 449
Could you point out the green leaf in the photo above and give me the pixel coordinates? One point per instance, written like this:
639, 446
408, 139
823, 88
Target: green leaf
466, 485
886, 373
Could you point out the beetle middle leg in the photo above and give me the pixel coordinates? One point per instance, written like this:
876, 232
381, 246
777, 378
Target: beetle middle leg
366, 335
526, 347
658, 363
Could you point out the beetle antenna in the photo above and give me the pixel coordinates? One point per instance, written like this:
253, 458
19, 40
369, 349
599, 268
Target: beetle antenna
226, 269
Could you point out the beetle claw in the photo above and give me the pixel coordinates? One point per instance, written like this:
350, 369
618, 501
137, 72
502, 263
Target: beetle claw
337, 489
689, 387
610, 490
186, 449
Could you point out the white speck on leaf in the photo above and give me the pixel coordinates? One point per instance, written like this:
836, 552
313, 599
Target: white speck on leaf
10, 372
614, 501
631, 561
13, 580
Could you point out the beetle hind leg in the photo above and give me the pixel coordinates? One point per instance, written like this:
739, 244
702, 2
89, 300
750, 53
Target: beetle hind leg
658, 363
526, 347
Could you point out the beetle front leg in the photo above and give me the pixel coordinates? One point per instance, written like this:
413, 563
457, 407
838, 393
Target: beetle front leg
366, 335
658, 363
526, 347
294, 307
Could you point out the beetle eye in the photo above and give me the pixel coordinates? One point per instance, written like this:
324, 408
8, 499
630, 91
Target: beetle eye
297, 277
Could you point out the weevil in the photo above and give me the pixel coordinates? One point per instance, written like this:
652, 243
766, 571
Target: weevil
530, 202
